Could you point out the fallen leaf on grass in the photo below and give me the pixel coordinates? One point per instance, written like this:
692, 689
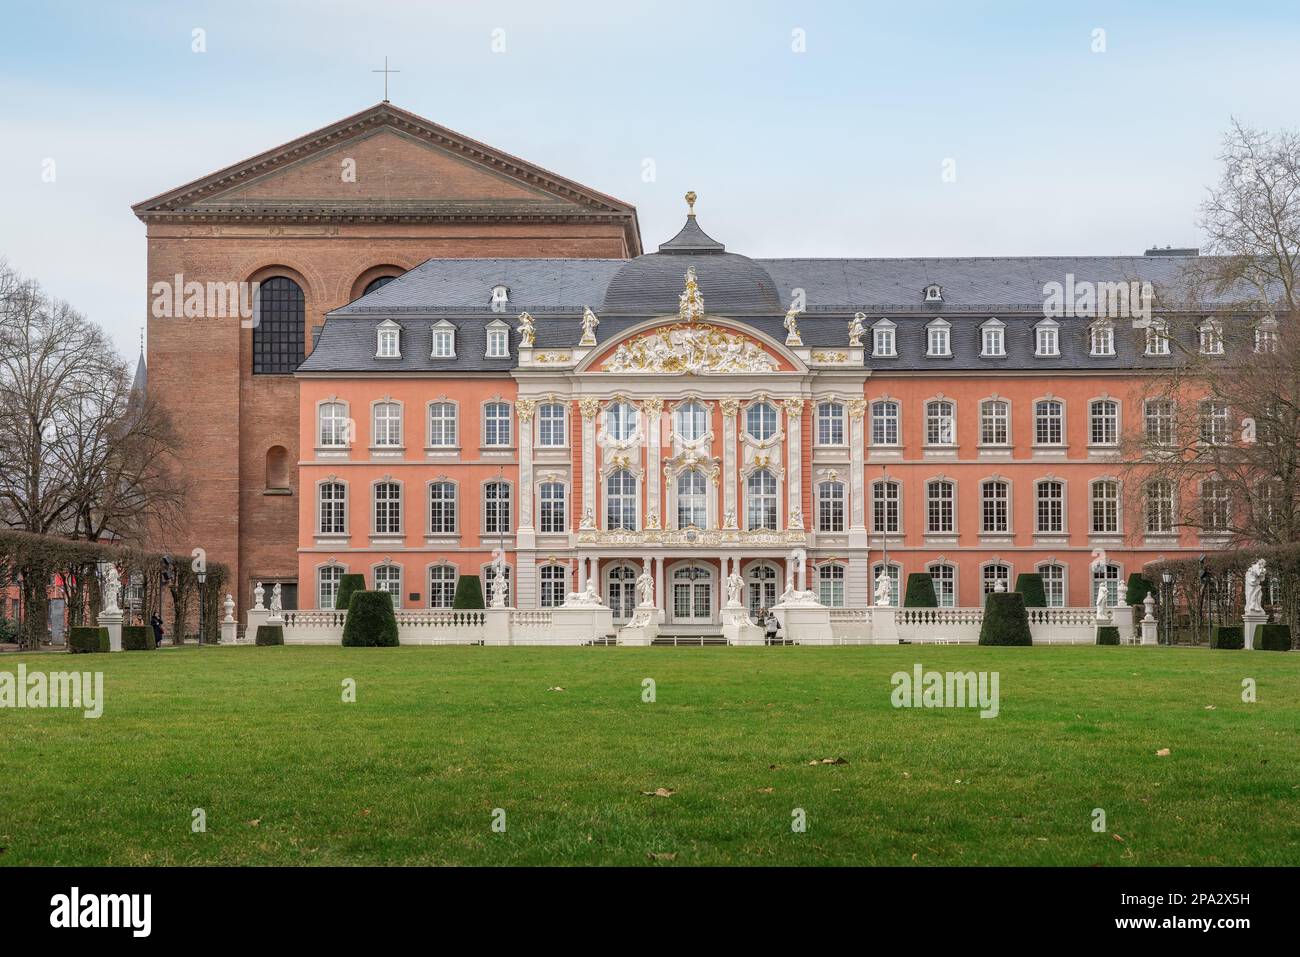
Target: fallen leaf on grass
765, 790
256, 821
1162, 753
365, 812
1209, 707
1118, 838
829, 761
556, 688
660, 792
907, 774
666, 856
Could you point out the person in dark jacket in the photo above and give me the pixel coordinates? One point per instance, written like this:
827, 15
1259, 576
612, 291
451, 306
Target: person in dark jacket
156, 621
770, 624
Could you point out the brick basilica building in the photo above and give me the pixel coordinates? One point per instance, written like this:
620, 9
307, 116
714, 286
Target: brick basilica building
459, 353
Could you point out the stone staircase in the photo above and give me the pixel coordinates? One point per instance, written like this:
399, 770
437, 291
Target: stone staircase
687, 641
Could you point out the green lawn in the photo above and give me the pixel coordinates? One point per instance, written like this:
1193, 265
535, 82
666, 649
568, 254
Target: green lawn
439, 737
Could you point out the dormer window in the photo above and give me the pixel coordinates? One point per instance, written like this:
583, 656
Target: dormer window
444, 341
1047, 338
934, 293
993, 338
938, 338
500, 297
1211, 338
498, 341
1102, 339
389, 340
1158, 338
882, 339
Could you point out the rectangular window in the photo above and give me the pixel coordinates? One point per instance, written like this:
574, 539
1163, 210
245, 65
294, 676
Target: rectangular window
388, 578
1214, 422
496, 508
939, 508
1051, 507
334, 429
1053, 584
1159, 420
1103, 426
884, 423
830, 585
995, 422
328, 585
442, 586
1157, 339
884, 507
444, 344
992, 341
940, 423
555, 585
1045, 341
552, 510
1160, 507
995, 513
388, 425
830, 507
830, 423
442, 425
388, 344
1105, 508
1216, 506
944, 578
388, 508
1102, 339
937, 342
883, 341
333, 503
498, 344
551, 420
496, 424
442, 508
1049, 422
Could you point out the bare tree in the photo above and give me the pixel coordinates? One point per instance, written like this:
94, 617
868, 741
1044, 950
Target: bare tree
1219, 451
80, 455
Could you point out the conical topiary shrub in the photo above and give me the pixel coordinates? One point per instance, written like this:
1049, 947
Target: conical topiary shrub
347, 585
469, 592
1005, 620
371, 622
920, 591
1139, 586
1030, 585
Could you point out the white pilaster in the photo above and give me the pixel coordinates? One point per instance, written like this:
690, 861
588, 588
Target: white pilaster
590, 408
652, 412
794, 462
524, 493
730, 515
857, 465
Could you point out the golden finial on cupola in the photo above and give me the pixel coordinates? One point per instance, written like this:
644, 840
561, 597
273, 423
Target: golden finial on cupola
690, 203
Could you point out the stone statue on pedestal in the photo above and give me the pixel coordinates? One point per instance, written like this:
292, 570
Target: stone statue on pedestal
275, 600
112, 585
259, 593
1255, 587
735, 585
645, 588
884, 590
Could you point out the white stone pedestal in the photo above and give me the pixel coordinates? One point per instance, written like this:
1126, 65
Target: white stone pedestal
884, 625
496, 626
579, 624
1150, 627
229, 632
805, 624
738, 629
256, 617
641, 630
1250, 621
113, 622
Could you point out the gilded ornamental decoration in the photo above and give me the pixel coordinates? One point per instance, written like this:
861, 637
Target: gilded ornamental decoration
690, 348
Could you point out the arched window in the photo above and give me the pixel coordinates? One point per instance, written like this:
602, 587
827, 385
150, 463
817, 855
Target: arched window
830, 423
388, 578
333, 508
388, 508
1053, 576
884, 422
327, 585
442, 586
760, 499
333, 427
1049, 422
940, 423
1103, 422
551, 418
277, 467
1106, 575
761, 581
496, 508
621, 594
944, 577
994, 573
1105, 507
760, 421
692, 421
555, 585
884, 506
995, 418
692, 500
279, 333
378, 283
895, 573
442, 508
620, 501
620, 421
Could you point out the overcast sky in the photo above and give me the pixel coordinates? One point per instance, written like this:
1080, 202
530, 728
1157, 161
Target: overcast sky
838, 150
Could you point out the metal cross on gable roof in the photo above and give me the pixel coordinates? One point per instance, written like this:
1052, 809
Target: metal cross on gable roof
385, 71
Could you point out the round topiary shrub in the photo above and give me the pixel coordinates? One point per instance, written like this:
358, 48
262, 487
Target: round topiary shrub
920, 591
1005, 620
1108, 635
1227, 636
347, 585
137, 638
469, 593
1139, 586
83, 639
269, 635
1273, 638
1030, 584
371, 622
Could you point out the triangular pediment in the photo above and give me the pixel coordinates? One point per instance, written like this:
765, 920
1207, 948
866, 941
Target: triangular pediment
387, 163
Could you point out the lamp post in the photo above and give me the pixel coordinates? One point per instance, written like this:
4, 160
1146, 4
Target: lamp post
202, 577
1166, 604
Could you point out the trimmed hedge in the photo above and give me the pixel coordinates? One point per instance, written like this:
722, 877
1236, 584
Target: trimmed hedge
1005, 620
138, 638
1273, 638
920, 591
1227, 636
1030, 584
84, 639
348, 584
371, 622
1108, 635
269, 635
469, 592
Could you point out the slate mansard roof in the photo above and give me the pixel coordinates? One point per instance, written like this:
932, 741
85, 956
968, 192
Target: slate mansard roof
756, 292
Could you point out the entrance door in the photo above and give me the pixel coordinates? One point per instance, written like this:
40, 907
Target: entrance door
620, 593
761, 589
692, 593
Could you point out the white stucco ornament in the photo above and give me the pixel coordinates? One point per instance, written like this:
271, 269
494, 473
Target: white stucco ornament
695, 349
735, 585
